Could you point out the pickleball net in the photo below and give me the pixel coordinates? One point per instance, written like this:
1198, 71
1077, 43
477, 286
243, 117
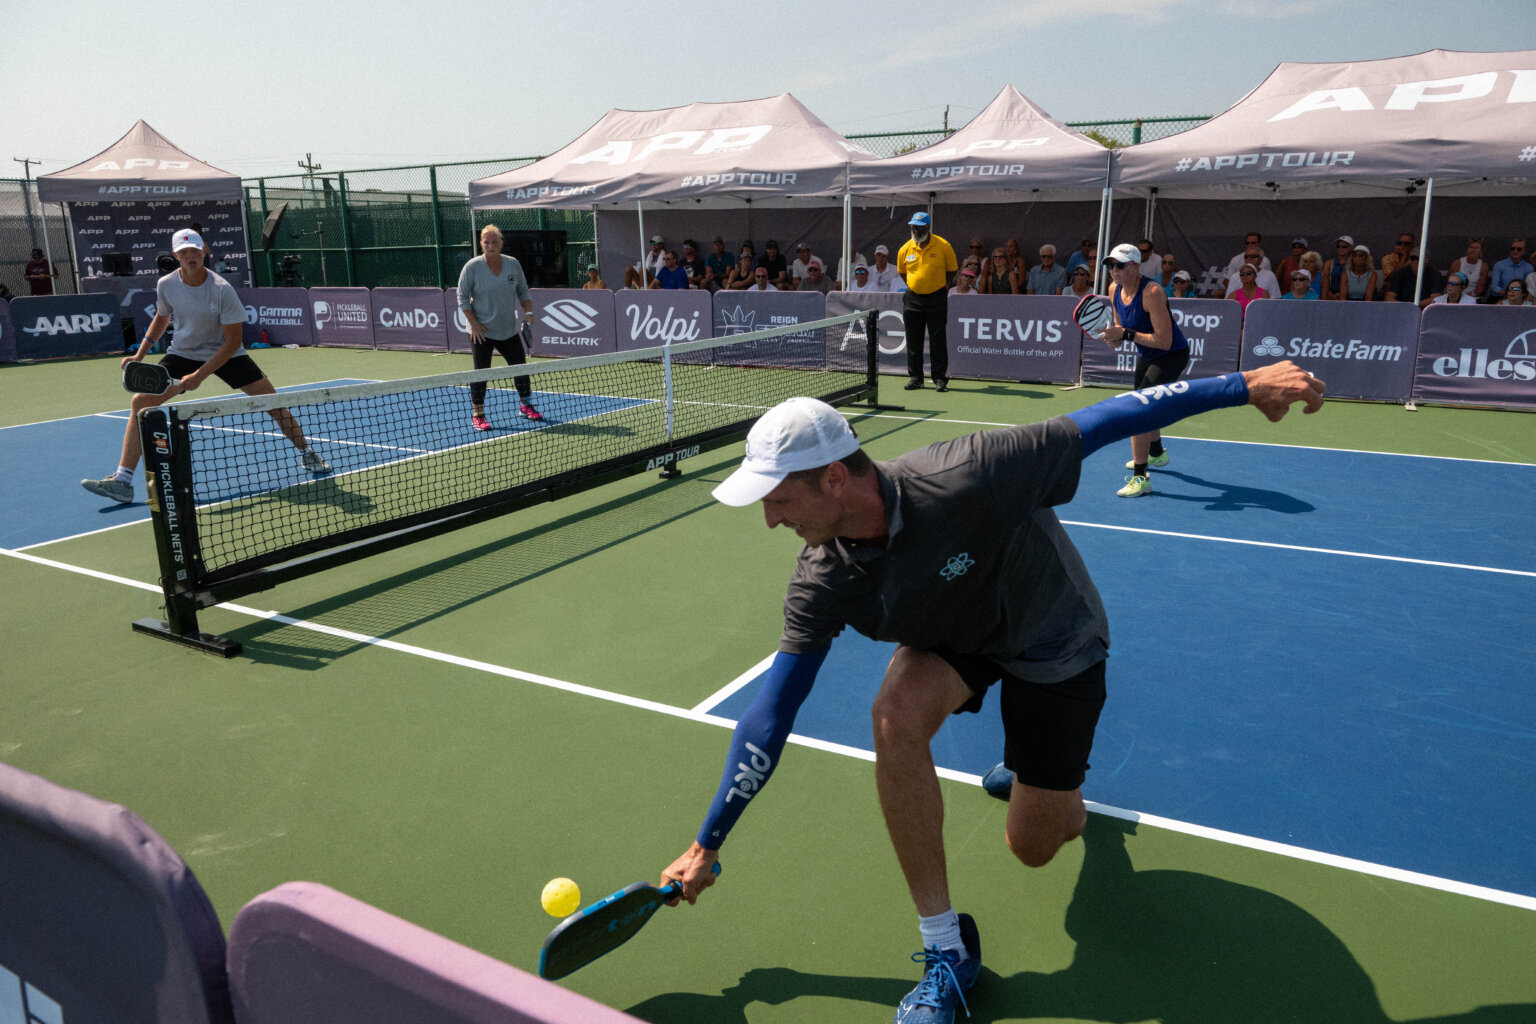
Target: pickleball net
237, 507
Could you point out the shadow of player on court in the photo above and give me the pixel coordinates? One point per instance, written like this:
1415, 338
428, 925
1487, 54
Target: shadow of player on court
1182, 947
1230, 497
773, 986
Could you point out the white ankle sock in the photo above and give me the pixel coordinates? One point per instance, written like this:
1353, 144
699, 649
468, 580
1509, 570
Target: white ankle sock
124, 474
943, 930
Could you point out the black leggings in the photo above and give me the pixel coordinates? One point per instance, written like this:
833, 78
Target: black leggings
511, 350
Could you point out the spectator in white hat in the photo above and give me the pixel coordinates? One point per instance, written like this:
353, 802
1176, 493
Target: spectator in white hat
1301, 285
1333, 270
884, 273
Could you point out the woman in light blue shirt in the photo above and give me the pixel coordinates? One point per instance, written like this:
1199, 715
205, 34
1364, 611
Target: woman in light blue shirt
1301, 285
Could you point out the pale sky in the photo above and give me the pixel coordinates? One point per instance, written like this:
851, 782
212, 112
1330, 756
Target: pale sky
252, 87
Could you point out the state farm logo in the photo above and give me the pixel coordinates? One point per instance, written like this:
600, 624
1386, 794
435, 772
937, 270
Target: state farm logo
1518, 362
1268, 346
569, 316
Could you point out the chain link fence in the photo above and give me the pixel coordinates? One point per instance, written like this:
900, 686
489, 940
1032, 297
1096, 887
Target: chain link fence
23, 221
405, 226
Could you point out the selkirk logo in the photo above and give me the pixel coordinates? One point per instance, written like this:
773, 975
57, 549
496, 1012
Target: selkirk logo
958, 565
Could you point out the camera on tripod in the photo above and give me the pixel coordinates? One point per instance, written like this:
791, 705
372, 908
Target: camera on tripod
288, 274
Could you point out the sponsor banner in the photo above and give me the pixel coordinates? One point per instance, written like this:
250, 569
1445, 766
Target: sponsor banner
48, 326
647, 317
276, 316
892, 340
409, 318
1213, 328
574, 322
142, 231
342, 317
7, 334
453, 319
1359, 349
743, 312
1476, 355
1014, 337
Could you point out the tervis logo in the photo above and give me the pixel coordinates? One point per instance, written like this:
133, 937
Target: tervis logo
1518, 362
569, 316
957, 566
1268, 346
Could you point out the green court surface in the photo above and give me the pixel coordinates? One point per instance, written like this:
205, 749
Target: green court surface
441, 729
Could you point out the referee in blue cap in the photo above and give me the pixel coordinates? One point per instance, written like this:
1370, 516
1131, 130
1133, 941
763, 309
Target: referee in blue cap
926, 263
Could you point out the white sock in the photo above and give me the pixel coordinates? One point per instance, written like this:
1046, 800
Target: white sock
943, 930
124, 474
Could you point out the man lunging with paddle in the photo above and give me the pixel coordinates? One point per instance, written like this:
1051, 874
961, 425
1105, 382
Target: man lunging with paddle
953, 552
208, 316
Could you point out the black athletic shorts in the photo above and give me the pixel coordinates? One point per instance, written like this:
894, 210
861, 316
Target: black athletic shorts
1047, 727
240, 371
1165, 369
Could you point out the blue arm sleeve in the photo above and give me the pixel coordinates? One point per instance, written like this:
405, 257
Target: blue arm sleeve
759, 739
1140, 412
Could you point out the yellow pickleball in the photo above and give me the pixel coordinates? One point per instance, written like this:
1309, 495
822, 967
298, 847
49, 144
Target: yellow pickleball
561, 897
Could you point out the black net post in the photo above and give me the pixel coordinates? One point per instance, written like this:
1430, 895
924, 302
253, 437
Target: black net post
168, 478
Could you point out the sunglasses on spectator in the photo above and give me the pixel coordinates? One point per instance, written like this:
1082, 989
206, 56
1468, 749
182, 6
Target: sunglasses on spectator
1517, 248
1294, 278
1246, 273
1342, 245
1167, 263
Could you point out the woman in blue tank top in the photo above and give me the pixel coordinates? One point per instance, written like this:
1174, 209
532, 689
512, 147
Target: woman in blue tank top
1162, 352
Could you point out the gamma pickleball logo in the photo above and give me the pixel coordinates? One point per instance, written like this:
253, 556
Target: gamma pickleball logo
1268, 346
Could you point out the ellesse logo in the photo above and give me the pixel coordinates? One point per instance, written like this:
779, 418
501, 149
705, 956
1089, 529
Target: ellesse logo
570, 316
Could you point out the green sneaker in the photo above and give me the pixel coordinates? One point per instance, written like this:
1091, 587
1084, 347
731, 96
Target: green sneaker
1135, 487
1155, 461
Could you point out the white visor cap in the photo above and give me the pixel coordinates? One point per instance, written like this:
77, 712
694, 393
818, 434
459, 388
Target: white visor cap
796, 434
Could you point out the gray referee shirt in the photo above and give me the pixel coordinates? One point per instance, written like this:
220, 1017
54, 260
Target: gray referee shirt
199, 314
496, 298
975, 562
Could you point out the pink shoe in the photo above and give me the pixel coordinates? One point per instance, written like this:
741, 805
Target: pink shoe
530, 413
480, 422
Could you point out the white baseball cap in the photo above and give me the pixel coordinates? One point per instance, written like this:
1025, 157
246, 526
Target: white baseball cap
186, 238
796, 434
1125, 252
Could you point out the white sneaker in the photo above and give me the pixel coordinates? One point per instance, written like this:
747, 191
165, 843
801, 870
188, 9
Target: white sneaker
314, 463
111, 487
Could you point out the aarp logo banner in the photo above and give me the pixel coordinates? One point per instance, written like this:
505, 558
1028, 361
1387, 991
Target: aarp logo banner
648, 317
409, 318
1213, 328
890, 330
342, 317
7, 334
1478, 355
1359, 349
276, 316
574, 322
48, 326
1014, 337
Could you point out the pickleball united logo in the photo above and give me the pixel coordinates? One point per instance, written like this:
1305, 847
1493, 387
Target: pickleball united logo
958, 565
1268, 346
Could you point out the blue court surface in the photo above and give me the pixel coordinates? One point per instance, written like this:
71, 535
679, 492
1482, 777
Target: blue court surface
1326, 649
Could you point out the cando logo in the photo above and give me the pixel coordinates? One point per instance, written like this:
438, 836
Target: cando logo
569, 316
413, 318
1268, 346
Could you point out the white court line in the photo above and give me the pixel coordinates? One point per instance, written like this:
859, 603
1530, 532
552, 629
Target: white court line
719, 697
1302, 547
1200, 831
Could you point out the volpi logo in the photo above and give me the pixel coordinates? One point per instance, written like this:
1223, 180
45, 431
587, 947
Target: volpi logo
1409, 95
1518, 362
666, 327
693, 142
77, 323
750, 777
1268, 346
957, 566
569, 316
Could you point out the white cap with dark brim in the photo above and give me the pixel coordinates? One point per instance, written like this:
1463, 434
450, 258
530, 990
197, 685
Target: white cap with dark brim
796, 434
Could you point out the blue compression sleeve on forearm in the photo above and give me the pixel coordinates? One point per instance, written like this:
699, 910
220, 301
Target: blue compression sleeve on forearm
759, 739
1141, 412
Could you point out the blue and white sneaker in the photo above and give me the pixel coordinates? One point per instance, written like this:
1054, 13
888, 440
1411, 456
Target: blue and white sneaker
946, 979
999, 782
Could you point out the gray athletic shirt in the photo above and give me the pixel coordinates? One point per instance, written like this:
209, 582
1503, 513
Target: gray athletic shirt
198, 314
975, 562
496, 298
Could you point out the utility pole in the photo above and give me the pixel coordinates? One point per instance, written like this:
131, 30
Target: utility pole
310, 167
26, 195
946, 119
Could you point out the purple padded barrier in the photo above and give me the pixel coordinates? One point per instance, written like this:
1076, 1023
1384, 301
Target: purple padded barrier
307, 954
100, 920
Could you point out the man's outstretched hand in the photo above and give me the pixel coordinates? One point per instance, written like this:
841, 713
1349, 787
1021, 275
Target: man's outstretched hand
1274, 388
